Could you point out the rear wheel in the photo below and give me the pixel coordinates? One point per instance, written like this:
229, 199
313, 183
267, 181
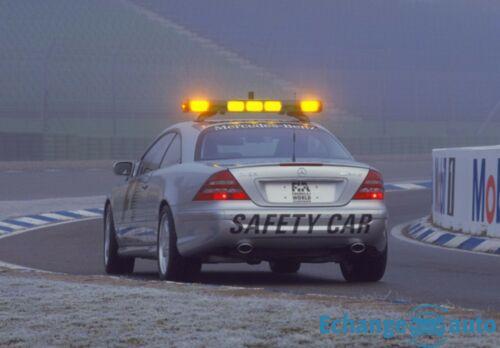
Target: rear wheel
171, 264
284, 266
114, 263
364, 268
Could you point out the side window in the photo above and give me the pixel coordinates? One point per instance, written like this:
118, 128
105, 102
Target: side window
173, 155
152, 159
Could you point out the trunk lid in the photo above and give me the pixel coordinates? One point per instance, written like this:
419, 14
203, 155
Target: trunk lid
300, 184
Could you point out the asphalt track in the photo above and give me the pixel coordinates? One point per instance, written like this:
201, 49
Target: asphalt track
55, 182
415, 273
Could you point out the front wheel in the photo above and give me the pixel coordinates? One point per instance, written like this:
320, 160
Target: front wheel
114, 263
171, 264
364, 268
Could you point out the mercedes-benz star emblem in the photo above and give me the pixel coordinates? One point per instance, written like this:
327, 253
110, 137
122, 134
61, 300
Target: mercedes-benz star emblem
302, 171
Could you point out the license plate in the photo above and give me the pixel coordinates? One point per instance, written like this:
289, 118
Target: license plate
301, 193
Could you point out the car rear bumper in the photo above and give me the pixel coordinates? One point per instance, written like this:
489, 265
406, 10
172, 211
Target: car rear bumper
272, 233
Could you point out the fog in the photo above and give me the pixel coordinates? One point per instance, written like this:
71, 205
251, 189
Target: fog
99, 79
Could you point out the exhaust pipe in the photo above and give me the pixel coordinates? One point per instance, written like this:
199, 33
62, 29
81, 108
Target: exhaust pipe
244, 248
358, 248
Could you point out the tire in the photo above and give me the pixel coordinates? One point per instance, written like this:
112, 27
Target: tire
364, 268
171, 264
114, 263
284, 266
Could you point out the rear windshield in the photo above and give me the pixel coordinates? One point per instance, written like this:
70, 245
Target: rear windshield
246, 141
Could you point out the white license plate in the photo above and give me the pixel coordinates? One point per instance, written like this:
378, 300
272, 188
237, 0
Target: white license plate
300, 192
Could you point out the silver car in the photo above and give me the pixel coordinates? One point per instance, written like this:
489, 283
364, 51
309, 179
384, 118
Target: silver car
218, 190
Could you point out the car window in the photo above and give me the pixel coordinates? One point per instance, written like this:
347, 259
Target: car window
153, 157
268, 142
173, 155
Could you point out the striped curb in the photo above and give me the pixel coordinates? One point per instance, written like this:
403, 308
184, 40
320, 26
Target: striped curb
409, 186
19, 224
422, 230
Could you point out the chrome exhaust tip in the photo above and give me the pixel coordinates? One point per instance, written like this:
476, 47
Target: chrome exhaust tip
244, 248
358, 248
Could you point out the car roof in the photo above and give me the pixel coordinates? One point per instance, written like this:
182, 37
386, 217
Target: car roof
202, 125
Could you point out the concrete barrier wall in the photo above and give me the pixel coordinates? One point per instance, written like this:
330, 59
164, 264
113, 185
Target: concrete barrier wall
466, 190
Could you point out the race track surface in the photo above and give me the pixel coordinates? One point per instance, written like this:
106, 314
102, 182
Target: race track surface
415, 273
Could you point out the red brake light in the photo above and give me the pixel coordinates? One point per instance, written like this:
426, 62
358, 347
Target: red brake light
372, 187
221, 186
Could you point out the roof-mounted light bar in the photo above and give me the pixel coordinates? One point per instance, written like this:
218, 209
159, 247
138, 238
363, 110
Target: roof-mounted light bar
295, 108
310, 106
196, 105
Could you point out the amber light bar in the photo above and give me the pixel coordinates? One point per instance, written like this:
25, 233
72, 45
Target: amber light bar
241, 106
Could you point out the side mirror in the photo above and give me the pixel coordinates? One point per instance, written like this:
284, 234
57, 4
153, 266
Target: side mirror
123, 168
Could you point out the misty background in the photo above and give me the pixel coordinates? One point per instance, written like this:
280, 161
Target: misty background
99, 79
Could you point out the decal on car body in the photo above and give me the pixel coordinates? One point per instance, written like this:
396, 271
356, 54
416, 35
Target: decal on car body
291, 223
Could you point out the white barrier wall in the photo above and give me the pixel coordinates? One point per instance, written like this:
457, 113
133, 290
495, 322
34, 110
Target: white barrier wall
466, 190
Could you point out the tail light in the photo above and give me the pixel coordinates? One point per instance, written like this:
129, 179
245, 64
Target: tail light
372, 187
221, 186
